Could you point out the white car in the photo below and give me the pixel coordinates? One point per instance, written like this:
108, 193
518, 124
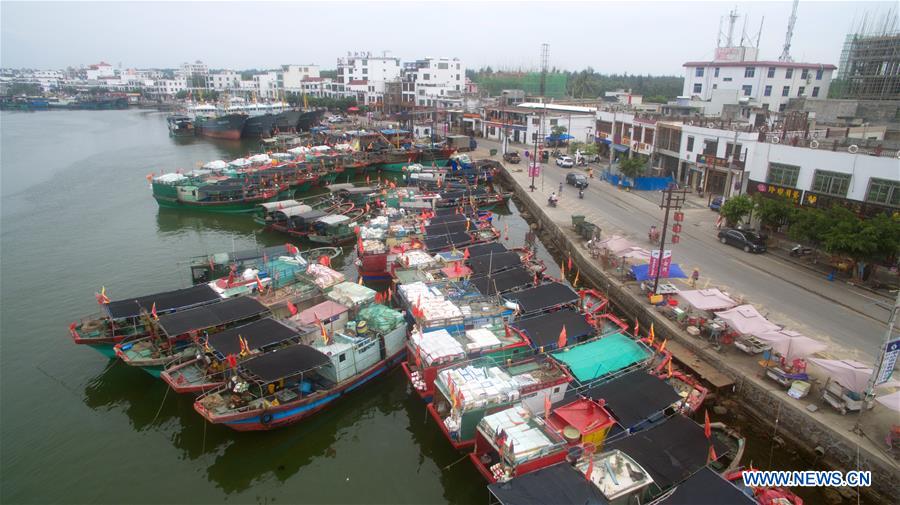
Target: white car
335, 119
565, 162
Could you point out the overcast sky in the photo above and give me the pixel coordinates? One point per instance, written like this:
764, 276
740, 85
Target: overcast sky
611, 37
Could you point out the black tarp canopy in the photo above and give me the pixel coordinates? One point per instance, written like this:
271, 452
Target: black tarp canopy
670, 451
544, 330
635, 397
445, 228
482, 249
166, 301
706, 487
543, 297
249, 254
559, 484
493, 262
447, 218
285, 362
504, 281
442, 242
228, 311
258, 335
304, 220
446, 211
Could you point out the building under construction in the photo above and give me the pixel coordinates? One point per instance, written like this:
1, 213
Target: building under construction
870, 66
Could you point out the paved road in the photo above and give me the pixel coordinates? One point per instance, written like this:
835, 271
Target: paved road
850, 319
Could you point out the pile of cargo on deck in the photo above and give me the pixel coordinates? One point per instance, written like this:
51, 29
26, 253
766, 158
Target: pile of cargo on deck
323, 276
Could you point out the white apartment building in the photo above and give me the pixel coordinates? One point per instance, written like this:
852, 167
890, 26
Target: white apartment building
195, 74
99, 71
771, 83
169, 87
365, 67
435, 80
525, 122
224, 81
293, 76
266, 85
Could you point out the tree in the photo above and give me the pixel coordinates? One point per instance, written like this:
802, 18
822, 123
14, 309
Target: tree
632, 167
772, 212
181, 95
558, 131
808, 226
25, 88
736, 209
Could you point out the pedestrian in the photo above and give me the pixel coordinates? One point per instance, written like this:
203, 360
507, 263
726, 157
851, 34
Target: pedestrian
590, 173
560, 187
695, 276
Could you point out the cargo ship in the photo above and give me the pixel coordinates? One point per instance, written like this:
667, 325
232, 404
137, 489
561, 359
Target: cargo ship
258, 126
228, 126
180, 125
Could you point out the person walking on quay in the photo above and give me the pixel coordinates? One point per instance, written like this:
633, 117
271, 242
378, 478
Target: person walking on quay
695, 276
560, 187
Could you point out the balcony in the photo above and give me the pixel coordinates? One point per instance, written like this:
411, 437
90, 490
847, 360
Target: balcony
819, 139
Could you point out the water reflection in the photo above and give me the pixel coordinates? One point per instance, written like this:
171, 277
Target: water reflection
137, 394
175, 221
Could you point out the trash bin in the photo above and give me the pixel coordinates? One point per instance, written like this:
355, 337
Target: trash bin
493, 152
587, 230
577, 221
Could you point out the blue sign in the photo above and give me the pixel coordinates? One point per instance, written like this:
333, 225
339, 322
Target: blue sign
888, 361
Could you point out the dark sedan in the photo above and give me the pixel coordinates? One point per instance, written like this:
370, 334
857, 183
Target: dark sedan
747, 240
578, 180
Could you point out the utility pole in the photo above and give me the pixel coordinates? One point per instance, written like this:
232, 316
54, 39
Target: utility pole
884, 365
672, 199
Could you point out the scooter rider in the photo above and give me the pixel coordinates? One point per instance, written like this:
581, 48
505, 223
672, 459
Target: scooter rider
581, 193
553, 199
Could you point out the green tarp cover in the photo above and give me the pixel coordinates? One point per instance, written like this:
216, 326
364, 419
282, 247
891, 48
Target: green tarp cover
602, 357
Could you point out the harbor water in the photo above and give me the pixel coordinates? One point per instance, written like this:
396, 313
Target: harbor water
76, 214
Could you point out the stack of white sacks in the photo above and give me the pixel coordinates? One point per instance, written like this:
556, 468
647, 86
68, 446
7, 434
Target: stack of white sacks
481, 339
527, 439
416, 258
430, 300
373, 246
481, 387
323, 276
437, 347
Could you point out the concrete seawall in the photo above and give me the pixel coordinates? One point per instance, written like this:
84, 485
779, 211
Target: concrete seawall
838, 449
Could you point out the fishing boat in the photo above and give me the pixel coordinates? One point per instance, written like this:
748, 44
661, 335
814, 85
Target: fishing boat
226, 126
300, 221
173, 336
464, 394
543, 298
179, 191
258, 126
376, 258
209, 267
601, 360
211, 367
516, 441
290, 384
180, 125
336, 229
129, 317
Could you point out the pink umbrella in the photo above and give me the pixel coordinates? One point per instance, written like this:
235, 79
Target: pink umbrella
891, 401
791, 344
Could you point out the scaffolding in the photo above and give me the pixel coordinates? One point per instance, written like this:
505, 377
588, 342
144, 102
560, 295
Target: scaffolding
870, 61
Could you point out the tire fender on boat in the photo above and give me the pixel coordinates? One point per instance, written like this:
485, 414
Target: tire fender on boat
265, 418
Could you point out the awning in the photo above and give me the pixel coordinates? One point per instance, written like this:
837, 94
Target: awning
286, 362
216, 314
258, 335
620, 148
544, 330
542, 297
167, 301
706, 486
851, 374
635, 397
564, 136
791, 344
708, 299
747, 320
604, 141
559, 484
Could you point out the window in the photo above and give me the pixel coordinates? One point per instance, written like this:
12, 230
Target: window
365, 62
554, 122
768, 91
748, 89
556, 390
457, 77
804, 74
716, 72
819, 74
443, 66
783, 175
782, 107
771, 72
715, 86
884, 191
801, 90
699, 72
342, 358
726, 79
789, 73
698, 88
426, 77
815, 91
690, 143
365, 71
535, 121
737, 152
749, 71
785, 91
831, 183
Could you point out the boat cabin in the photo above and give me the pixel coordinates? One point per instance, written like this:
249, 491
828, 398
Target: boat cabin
214, 266
267, 210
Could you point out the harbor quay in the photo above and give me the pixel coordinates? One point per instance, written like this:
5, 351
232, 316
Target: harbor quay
737, 379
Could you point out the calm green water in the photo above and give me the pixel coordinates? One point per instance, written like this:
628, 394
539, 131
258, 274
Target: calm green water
76, 214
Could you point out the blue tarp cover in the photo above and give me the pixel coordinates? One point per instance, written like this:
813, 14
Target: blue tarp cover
620, 148
393, 132
641, 272
564, 136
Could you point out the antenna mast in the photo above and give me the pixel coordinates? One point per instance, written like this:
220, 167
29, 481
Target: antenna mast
732, 19
545, 66
786, 52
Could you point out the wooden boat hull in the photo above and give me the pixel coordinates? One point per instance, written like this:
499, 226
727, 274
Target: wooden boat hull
175, 378
225, 207
296, 411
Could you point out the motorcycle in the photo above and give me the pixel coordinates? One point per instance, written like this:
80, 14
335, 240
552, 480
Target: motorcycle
800, 250
581, 193
653, 235
552, 201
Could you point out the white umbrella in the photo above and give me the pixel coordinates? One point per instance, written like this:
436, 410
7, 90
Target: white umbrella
891, 401
791, 344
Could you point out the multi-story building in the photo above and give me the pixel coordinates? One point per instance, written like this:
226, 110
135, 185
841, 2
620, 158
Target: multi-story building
266, 86
870, 66
436, 80
293, 76
526, 122
224, 80
195, 75
99, 71
365, 67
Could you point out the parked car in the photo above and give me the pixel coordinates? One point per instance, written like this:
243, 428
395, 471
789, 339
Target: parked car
335, 119
565, 162
512, 157
578, 180
716, 203
749, 241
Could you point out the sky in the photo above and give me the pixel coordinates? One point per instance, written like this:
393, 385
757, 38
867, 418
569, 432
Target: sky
611, 37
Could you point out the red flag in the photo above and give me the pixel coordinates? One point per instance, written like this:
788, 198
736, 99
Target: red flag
547, 405
506, 329
153, 312
707, 429
652, 335
212, 266
590, 469
637, 328
712, 454
259, 285
466, 253
569, 264
562, 338
232, 361
292, 308
662, 346
72, 329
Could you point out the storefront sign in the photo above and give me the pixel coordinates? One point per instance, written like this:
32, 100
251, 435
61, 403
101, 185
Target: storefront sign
705, 159
795, 195
888, 360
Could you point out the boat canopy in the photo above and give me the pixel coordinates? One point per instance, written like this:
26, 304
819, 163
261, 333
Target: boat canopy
282, 156
394, 132
216, 165
169, 178
445, 228
257, 334
544, 330
560, 483
603, 357
287, 362
292, 211
482, 249
165, 301
706, 486
334, 188
494, 262
791, 344
307, 217
416, 204
281, 204
457, 239
298, 150
227, 311
322, 312
747, 320
672, 451
708, 299
333, 219
635, 397
259, 158
502, 282
543, 297
851, 374
240, 162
